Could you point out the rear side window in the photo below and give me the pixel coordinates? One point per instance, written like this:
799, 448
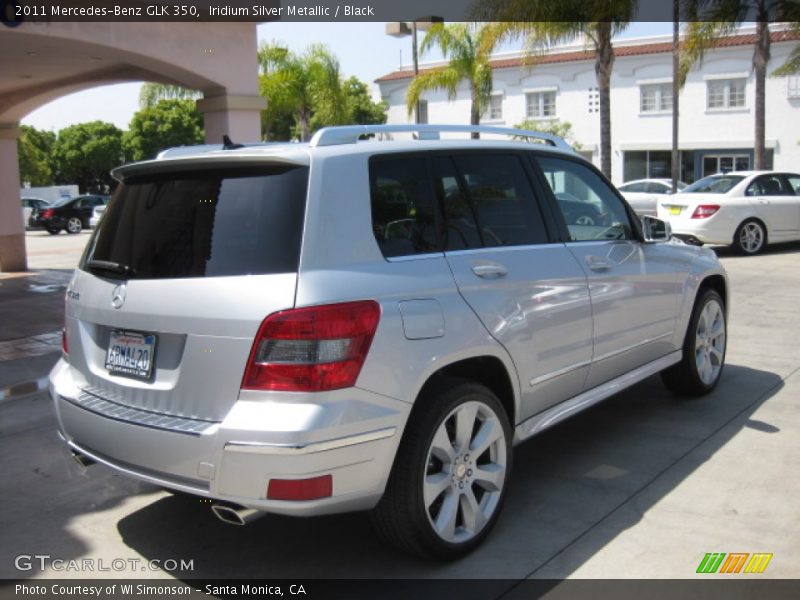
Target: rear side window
402, 206
204, 223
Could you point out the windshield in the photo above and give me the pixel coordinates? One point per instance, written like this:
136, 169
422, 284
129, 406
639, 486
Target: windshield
203, 223
715, 184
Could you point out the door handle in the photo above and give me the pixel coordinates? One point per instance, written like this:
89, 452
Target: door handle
596, 263
493, 271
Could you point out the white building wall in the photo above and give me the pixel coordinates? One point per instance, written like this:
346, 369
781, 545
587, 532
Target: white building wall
701, 129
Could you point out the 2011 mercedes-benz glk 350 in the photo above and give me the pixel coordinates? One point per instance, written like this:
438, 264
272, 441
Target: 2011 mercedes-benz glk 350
353, 324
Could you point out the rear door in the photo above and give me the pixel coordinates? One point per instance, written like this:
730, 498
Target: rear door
530, 292
633, 286
175, 282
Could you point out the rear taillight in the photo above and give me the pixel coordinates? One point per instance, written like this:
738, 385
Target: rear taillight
48, 213
312, 349
64, 342
704, 211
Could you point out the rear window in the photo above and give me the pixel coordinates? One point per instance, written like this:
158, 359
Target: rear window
209, 223
715, 184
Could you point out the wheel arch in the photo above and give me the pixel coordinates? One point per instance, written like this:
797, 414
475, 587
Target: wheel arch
487, 370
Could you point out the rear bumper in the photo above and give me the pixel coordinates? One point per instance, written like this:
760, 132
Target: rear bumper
350, 434
707, 231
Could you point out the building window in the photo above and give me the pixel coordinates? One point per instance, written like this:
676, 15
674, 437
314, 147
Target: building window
540, 104
726, 93
655, 97
793, 86
494, 111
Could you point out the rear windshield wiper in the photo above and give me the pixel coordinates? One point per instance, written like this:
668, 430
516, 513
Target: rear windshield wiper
108, 265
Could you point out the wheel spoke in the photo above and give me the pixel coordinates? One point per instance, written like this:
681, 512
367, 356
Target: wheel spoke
490, 431
441, 447
434, 486
465, 423
490, 477
474, 519
445, 521
716, 353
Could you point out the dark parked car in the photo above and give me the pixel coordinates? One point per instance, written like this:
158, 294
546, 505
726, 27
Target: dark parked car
72, 214
30, 208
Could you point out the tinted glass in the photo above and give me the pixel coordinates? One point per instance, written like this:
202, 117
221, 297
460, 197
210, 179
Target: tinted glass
502, 199
768, 185
590, 207
460, 229
715, 184
794, 183
204, 224
402, 206
633, 187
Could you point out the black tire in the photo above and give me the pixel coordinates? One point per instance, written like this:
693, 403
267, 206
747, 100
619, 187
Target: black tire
52, 230
685, 378
750, 237
402, 517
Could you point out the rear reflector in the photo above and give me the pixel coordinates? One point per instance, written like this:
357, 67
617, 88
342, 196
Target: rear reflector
704, 211
64, 342
300, 489
312, 349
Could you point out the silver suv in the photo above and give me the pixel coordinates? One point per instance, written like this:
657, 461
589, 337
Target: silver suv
354, 324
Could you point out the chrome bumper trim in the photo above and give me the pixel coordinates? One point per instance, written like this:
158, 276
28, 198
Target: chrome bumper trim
120, 412
343, 442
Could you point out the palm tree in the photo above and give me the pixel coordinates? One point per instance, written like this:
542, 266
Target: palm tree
152, 93
721, 18
304, 85
792, 63
468, 48
545, 24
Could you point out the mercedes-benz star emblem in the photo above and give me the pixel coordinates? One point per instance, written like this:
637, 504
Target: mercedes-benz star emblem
118, 297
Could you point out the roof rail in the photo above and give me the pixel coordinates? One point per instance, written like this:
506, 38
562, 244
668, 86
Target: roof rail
350, 134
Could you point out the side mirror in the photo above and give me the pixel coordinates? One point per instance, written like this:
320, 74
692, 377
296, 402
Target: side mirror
656, 230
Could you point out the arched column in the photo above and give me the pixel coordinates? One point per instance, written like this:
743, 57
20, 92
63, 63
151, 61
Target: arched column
239, 116
12, 229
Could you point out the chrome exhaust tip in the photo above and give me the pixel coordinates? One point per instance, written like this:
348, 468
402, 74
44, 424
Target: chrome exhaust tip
233, 514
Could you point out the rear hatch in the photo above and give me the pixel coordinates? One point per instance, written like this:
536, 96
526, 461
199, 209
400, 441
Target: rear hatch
175, 282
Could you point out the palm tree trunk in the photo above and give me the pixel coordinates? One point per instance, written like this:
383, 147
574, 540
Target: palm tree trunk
676, 90
760, 59
474, 114
603, 66
303, 120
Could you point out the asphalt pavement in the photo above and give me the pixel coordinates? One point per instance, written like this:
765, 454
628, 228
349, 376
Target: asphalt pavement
641, 486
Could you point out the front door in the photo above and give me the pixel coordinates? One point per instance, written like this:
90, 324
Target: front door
633, 285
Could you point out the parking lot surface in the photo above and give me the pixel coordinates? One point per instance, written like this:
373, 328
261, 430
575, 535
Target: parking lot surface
641, 486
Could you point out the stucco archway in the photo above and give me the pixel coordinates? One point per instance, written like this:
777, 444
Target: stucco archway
43, 61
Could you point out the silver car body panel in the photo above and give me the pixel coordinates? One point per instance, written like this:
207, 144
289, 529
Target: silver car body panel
566, 334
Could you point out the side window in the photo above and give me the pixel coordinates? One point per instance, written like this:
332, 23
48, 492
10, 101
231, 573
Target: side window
767, 185
501, 201
657, 188
634, 187
590, 208
460, 229
402, 206
794, 183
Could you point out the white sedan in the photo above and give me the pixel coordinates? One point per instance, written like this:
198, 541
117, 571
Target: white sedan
643, 194
745, 209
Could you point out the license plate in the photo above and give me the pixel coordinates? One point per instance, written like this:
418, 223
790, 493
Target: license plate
674, 210
131, 354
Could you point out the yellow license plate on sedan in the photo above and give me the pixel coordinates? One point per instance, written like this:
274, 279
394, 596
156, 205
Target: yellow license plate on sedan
674, 210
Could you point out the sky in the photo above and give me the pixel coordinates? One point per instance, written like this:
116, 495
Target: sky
363, 50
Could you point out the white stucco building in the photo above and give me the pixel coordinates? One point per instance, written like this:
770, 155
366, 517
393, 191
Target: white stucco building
716, 105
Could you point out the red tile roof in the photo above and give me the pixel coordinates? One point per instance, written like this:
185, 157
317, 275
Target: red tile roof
619, 50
